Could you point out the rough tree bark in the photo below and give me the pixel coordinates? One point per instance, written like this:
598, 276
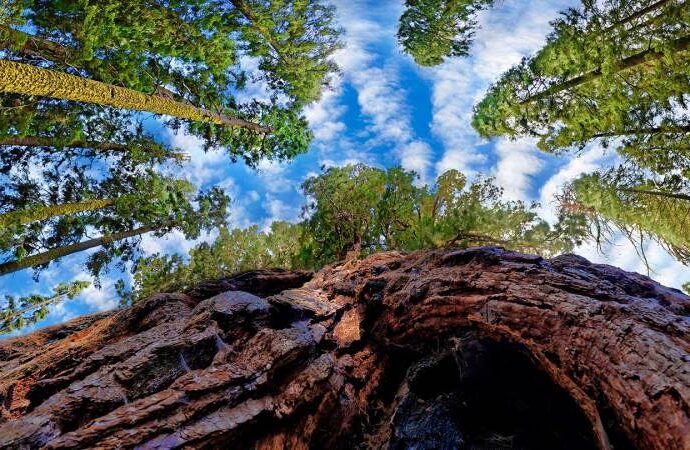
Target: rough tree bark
479, 348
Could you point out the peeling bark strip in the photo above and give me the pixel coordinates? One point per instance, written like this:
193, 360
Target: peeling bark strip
479, 348
26, 79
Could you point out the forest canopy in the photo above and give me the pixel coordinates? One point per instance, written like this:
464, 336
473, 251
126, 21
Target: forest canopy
103, 104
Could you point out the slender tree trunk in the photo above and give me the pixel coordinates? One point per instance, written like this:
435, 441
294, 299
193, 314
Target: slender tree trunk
154, 149
43, 212
637, 15
638, 59
33, 46
25, 79
7, 320
644, 131
659, 193
36, 141
52, 51
57, 253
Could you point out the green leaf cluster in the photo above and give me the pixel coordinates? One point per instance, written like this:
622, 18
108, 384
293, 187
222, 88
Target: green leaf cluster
432, 30
17, 313
643, 209
355, 210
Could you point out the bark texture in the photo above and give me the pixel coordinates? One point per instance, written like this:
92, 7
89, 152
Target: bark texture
479, 348
26, 79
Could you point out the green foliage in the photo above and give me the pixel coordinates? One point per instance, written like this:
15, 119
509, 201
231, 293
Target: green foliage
356, 210
643, 209
359, 210
433, 30
21, 312
614, 71
189, 50
139, 200
294, 41
55, 133
232, 251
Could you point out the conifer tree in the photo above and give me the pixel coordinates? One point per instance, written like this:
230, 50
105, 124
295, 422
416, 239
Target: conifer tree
643, 209
147, 204
179, 58
432, 30
233, 251
49, 134
611, 71
358, 210
17, 313
25, 79
294, 41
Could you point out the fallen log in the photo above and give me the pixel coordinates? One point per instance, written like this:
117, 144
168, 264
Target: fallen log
480, 348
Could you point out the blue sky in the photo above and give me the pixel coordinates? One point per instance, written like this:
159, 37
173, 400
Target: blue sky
384, 111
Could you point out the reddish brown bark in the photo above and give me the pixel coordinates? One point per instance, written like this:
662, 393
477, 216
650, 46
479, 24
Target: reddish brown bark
479, 348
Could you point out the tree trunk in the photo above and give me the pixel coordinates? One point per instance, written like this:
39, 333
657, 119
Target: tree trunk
52, 51
37, 141
26, 79
154, 149
7, 319
33, 46
636, 15
479, 348
57, 253
644, 131
674, 195
43, 212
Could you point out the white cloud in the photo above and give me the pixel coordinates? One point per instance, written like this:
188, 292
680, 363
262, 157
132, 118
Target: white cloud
518, 162
203, 166
278, 209
325, 115
416, 156
382, 99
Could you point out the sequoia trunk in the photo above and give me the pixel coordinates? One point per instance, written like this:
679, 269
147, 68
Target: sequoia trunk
479, 348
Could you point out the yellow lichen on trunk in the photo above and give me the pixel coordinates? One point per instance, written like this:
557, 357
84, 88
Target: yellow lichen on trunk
26, 79
25, 216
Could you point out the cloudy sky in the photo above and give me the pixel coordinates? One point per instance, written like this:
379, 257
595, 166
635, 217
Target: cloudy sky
385, 111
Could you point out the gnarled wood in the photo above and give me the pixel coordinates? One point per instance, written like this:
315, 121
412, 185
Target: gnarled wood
479, 348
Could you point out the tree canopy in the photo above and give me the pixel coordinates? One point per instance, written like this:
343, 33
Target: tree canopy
49, 219
21, 312
643, 209
615, 72
355, 210
432, 30
80, 168
186, 59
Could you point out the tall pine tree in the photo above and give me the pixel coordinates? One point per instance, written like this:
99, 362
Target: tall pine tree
614, 71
